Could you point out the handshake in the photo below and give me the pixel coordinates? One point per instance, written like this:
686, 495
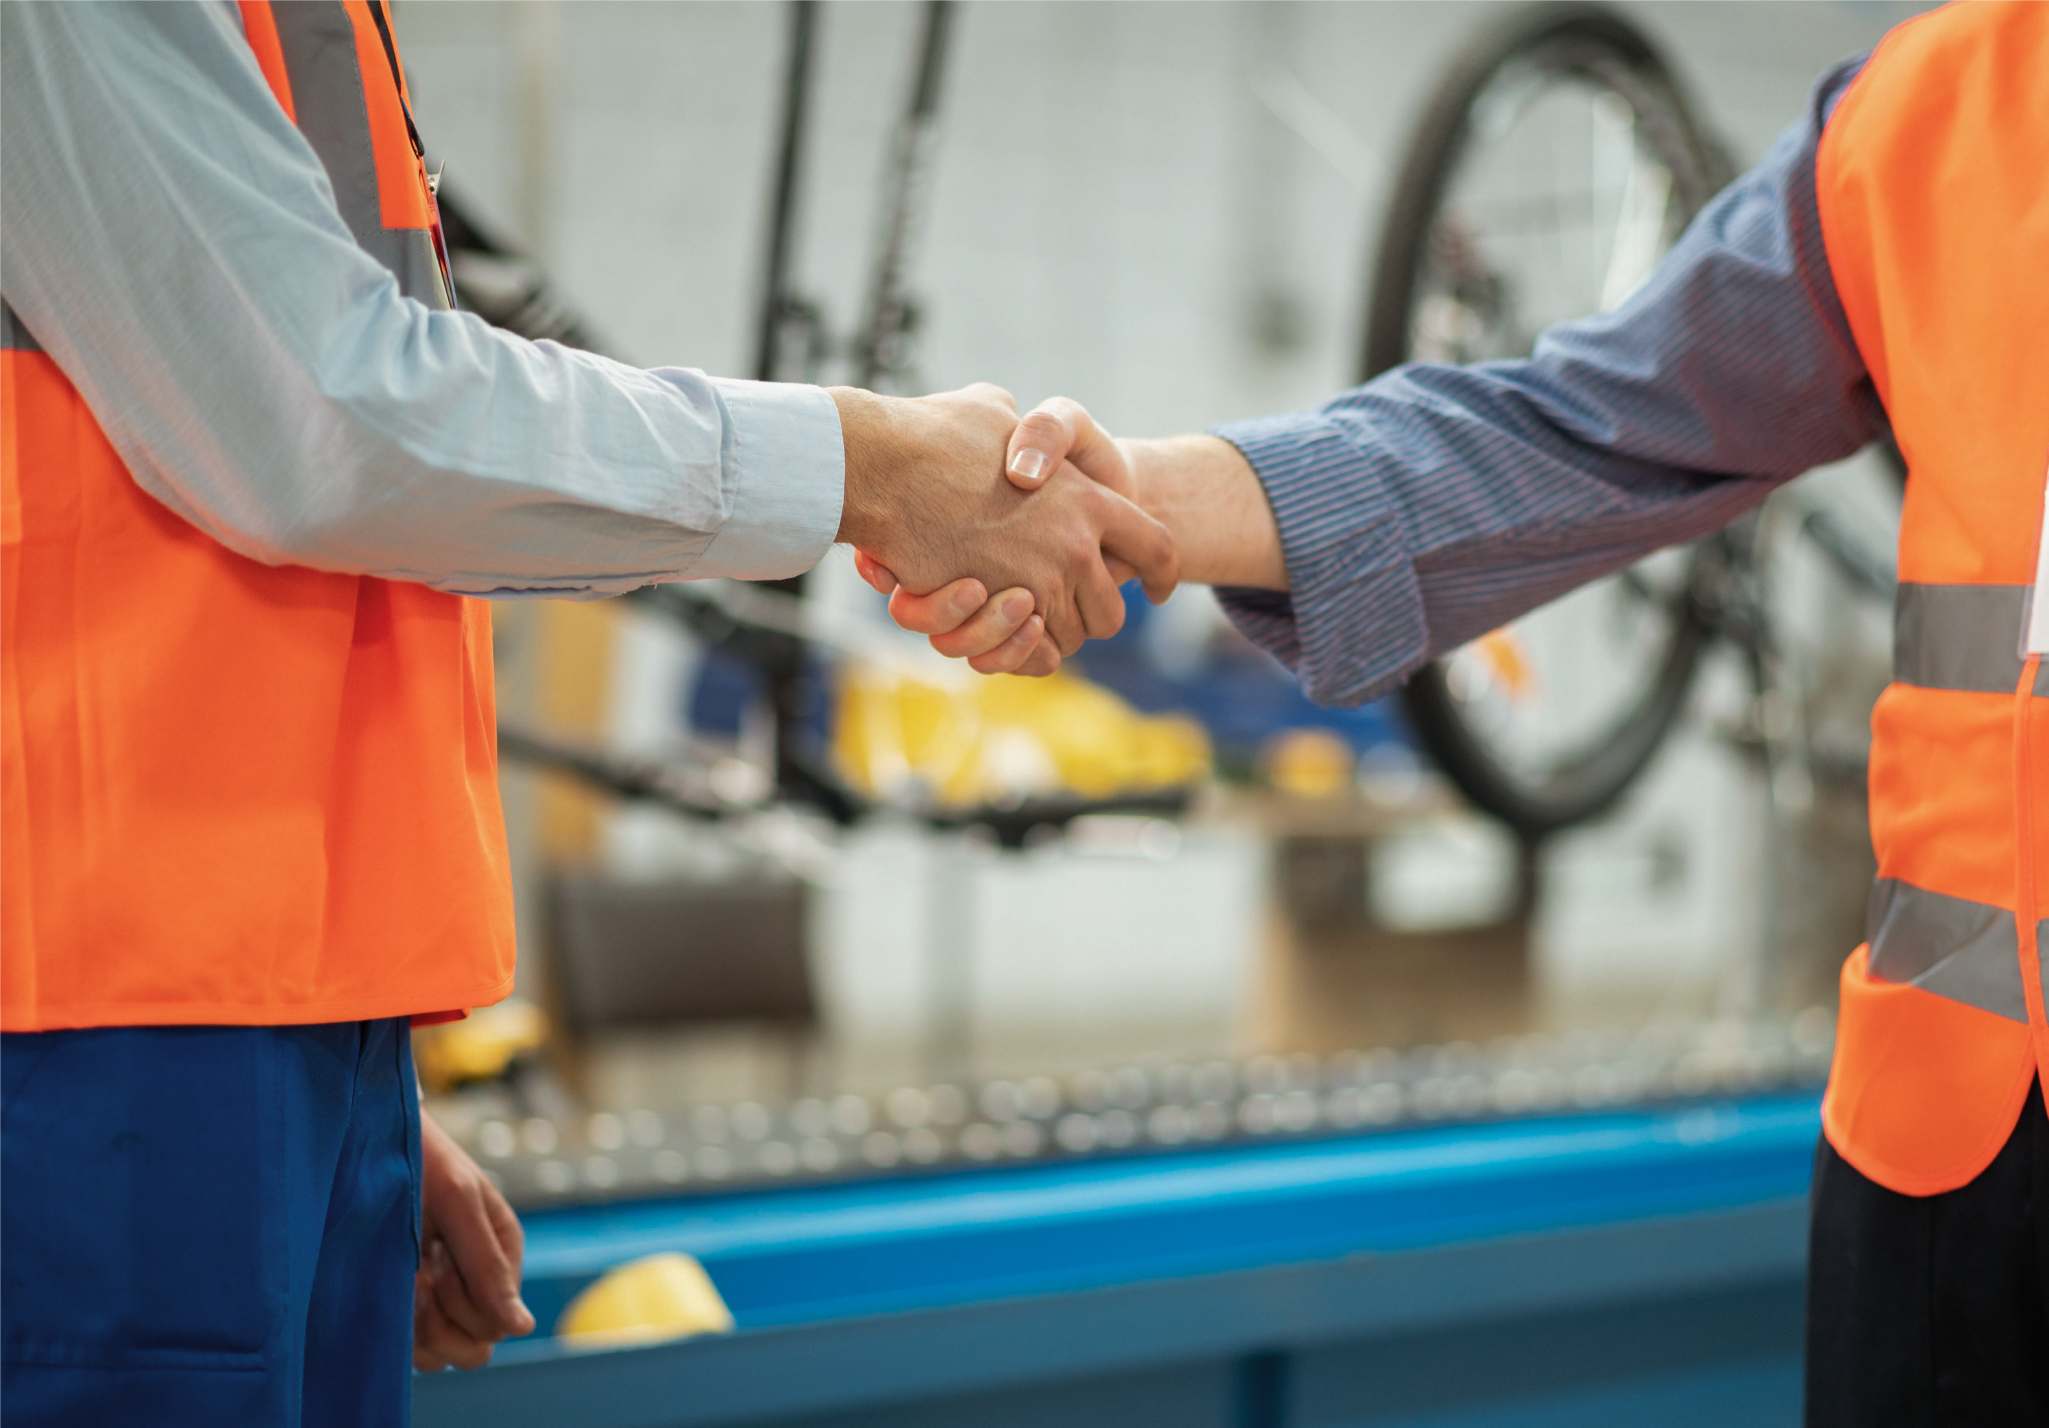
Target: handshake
1006, 539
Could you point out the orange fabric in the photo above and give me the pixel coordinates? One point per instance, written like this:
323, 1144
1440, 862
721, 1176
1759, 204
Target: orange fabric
260, 26
17, 868
1937, 235
1924, 1091
2026, 904
1942, 791
246, 794
401, 175
232, 792
1926, 181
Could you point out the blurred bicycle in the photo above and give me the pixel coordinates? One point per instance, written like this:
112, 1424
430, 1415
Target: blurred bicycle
1555, 166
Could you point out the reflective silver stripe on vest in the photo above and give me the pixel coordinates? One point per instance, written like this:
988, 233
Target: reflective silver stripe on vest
1952, 947
409, 253
13, 336
319, 45
1962, 637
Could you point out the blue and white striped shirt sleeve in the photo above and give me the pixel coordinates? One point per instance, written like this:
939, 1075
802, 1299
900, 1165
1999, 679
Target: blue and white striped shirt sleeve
1438, 502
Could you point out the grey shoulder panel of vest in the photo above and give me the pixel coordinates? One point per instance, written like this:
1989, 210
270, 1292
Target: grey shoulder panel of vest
1966, 951
1961, 637
318, 41
13, 336
409, 253
319, 44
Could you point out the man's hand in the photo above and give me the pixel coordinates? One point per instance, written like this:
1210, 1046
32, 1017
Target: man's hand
466, 1292
1200, 487
927, 502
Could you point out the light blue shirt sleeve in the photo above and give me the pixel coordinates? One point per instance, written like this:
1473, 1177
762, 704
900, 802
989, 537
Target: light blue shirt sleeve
1436, 502
171, 240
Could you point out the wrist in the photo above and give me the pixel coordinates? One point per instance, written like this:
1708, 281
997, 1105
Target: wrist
1204, 491
867, 435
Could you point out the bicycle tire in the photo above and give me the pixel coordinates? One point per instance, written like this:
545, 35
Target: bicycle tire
1567, 39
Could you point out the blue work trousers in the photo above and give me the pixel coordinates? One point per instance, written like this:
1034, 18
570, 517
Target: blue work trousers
208, 1225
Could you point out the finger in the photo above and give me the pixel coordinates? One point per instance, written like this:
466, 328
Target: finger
437, 1343
442, 1344
1012, 654
1134, 537
989, 627
1100, 601
1061, 429
941, 611
453, 1298
424, 1358
874, 571
505, 1224
1041, 662
1066, 628
477, 1241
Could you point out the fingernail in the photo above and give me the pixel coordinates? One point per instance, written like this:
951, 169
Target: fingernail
1017, 605
968, 597
1029, 464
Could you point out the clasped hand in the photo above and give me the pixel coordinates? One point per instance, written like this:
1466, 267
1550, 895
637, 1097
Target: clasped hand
1054, 541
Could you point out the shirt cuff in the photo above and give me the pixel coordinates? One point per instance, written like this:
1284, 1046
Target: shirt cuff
786, 475
1351, 626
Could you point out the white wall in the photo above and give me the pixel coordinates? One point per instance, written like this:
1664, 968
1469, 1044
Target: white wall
1112, 203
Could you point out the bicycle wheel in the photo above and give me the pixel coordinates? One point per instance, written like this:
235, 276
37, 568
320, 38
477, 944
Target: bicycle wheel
1556, 164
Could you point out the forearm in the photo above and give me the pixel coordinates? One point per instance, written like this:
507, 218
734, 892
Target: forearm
1435, 503
172, 241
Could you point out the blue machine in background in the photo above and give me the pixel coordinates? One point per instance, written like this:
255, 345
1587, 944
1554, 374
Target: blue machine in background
1628, 1267
1239, 694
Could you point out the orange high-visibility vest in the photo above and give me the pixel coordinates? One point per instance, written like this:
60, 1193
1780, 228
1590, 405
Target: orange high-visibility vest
1933, 185
234, 792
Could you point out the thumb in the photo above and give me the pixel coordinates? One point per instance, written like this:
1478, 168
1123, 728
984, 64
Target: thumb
1061, 429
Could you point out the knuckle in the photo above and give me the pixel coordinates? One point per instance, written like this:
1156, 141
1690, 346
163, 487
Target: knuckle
1040, 423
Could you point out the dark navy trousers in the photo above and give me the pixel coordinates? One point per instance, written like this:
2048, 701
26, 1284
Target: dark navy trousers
208, 1226
1925, 1311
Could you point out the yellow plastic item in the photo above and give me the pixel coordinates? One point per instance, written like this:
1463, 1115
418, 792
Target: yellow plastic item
480, 1046
972, 739
1311, 763
646, 1301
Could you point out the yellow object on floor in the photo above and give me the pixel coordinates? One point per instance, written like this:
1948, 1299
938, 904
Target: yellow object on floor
646, 1301
971, 739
